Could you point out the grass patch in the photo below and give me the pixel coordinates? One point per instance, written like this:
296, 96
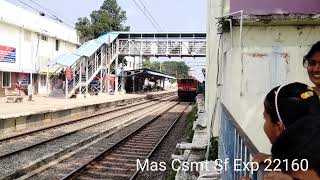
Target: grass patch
170, 174
213, 151
191, 117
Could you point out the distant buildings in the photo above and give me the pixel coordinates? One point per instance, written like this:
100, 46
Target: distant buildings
28, 41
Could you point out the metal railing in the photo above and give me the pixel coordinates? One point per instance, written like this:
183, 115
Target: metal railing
237, 147
164, 47
84, 71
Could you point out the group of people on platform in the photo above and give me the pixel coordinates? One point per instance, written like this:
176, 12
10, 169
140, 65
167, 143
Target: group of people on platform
21, 90
292, 124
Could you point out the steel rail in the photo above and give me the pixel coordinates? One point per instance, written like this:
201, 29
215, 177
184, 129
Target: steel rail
160, 141
72, 132
102, 154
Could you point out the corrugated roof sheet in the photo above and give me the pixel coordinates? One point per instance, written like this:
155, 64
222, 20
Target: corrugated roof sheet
105, 38
66, 59
87, 49
160, 74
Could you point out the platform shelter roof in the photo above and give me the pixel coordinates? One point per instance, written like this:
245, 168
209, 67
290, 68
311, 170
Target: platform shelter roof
147, 73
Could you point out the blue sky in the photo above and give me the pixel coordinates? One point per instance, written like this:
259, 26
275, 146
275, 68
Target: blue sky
171, 15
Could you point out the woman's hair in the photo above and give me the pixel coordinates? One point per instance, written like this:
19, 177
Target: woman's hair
300, 141
314, 49
294, 101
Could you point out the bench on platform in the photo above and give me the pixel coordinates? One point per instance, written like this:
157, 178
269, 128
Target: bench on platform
13, 96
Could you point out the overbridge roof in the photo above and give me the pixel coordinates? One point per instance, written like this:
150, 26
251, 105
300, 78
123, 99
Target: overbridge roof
144, 72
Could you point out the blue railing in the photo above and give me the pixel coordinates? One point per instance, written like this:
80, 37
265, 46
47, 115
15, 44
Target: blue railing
235, 146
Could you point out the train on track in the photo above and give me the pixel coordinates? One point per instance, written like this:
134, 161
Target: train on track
189, 88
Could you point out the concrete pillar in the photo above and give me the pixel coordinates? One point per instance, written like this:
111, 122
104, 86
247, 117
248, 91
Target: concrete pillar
66, 86
116, 85
47, 80
122, 76
80, 77
87, 74
133, 84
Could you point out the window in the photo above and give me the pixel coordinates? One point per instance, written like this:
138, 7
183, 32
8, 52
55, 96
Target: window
44, 38
6, 79
57, 45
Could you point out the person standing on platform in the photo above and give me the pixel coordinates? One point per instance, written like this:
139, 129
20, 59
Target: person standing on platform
30, 92
311, 62
18, 87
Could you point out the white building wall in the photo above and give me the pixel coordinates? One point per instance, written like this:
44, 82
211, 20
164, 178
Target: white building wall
132, 63
22, 29
215, 9
271, 56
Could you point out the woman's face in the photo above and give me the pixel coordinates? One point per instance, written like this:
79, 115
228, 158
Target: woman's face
272, 130
313, 69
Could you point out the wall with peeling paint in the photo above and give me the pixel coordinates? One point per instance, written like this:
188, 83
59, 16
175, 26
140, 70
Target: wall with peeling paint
215, 9
275, 6
271, 55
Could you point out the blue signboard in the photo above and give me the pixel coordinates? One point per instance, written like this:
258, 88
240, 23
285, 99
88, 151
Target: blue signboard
7, 54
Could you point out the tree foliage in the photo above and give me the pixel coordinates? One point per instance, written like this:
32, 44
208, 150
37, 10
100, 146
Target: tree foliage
177, 69
110, 17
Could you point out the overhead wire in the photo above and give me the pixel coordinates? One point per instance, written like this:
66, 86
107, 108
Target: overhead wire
52, 13
150, 20
146, 9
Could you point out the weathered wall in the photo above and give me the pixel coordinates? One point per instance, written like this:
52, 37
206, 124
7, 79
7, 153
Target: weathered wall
215, 9
271, 56
275, 6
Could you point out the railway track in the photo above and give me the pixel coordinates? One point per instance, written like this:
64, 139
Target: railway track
120, 160
28, 144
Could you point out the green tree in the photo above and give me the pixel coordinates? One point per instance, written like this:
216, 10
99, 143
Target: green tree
173, 68
110, 17
177, 69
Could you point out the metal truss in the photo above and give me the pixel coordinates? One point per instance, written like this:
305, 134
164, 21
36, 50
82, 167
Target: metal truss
104, 63
163, 44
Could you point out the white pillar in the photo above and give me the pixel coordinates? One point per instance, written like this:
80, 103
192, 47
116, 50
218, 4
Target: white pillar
116, 84
80, 77
87, 74
133, 84
66, 86
47, 81
122, 76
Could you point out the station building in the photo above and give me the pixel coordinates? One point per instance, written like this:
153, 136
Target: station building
28, 41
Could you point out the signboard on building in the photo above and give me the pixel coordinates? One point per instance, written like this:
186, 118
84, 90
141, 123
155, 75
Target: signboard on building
7, 54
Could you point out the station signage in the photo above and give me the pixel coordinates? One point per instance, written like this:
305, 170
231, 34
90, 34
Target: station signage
7, 54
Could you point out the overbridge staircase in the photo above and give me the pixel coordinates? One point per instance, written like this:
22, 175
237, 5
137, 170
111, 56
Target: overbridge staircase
94, 61
84, 71
98, 59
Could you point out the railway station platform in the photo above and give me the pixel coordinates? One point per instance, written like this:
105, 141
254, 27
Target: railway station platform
45, 111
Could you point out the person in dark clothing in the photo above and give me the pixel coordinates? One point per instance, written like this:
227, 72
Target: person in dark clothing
299, 145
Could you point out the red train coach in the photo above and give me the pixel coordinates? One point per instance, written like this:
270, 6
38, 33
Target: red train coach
187, 88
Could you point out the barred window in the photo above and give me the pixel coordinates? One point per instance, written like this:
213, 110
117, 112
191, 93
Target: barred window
6, 79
